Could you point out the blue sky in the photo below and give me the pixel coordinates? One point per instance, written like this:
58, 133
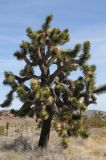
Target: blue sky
86, 20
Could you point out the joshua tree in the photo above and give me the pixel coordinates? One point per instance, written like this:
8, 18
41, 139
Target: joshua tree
53, 95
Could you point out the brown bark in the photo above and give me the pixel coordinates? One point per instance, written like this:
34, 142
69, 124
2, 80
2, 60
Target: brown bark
45, 132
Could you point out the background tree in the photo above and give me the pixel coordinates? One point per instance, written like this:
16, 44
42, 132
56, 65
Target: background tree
53, 96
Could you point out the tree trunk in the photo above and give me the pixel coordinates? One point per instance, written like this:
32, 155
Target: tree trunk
45, 132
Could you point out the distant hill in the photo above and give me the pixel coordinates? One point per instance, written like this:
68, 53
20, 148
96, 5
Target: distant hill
6, 114
90, 113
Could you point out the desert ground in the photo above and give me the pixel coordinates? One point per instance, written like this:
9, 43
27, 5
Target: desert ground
20, 143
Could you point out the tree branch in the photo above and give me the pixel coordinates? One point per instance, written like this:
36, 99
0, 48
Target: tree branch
51, 61
61, 69
41, 63
21, 80
27, 60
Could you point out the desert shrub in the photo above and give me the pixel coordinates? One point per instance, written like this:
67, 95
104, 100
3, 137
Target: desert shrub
97, 120
19, 144
2, 130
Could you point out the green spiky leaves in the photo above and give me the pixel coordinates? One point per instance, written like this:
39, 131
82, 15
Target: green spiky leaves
41, 94
47, 22
19, 55
100, 90
35, 84
76, 50
59, 87
56, 37
86, 55
22, 93
8, 101
44, 114
9, 78
89, 72
27, 71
